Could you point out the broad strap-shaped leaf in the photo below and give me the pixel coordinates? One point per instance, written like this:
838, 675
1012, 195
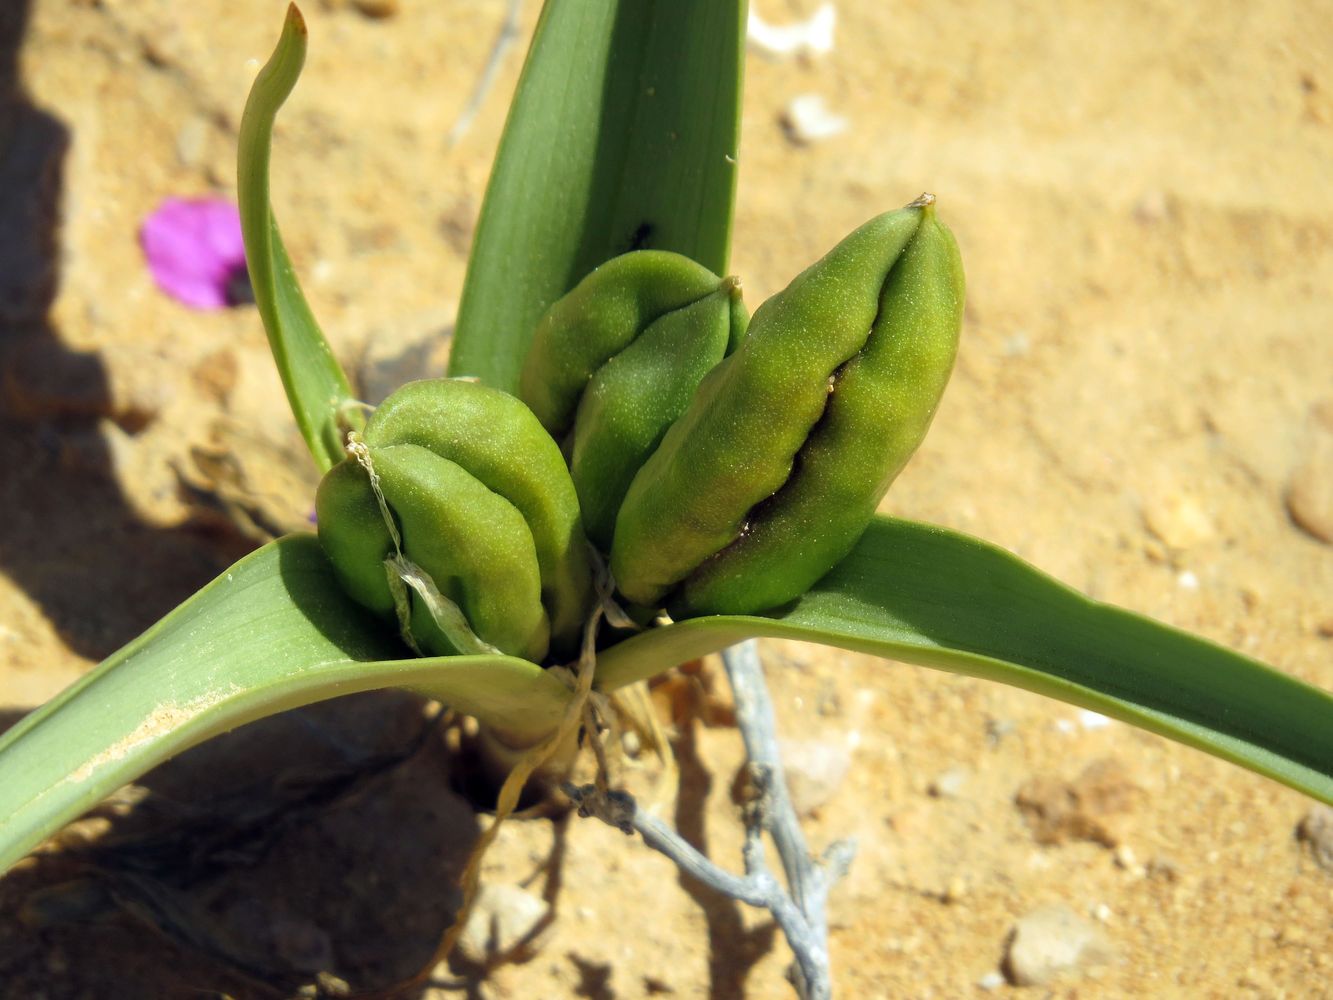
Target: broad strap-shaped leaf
933, 597
317, 389
274, 632
622, 136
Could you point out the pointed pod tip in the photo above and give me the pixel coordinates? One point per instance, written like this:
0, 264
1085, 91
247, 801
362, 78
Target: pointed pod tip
924, 200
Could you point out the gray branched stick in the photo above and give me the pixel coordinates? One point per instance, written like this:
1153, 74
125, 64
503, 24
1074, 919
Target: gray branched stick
798, 910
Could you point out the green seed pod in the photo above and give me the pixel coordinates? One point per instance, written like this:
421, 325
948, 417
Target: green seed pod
498, 440
775, 469
598, 319
473, 544
354, 536
484, 506
637, 394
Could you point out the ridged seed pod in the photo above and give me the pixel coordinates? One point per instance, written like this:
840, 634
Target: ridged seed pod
620, 357
638, 394
598, 319
483, 503
776, 467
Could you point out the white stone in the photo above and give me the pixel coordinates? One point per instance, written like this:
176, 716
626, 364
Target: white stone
1052, 941
808, 119
506, 922
1316, 829
811, 37
814, 770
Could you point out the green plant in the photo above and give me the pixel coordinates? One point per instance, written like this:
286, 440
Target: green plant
279, 629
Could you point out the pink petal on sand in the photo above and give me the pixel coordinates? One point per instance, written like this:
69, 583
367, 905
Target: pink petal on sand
194, 249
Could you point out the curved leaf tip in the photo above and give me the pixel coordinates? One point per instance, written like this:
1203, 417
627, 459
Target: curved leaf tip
295, 20
316, 386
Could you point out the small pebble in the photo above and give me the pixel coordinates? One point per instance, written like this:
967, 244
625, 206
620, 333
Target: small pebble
1092, 720
948, 784
1310, 489
998, 729
827, 702
815, 770
1316, 831
955, 890
332, 986
1292, 937
807, 119
502, 925
1017, 345
991, 981
1094, 806
1052, 941
1126, 860
190, 140
1162, 869
1178, 520
1152, 207
1256, 979
1310, 502
810, 37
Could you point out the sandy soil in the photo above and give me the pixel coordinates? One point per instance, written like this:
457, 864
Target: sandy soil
1143, 201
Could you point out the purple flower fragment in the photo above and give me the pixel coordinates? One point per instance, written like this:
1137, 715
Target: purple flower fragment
195, 252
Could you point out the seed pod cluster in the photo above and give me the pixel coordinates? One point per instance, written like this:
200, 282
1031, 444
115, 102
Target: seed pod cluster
775, 469
459, 484
722, 466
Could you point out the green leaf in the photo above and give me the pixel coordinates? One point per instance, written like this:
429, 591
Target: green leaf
622, 135
317, 389
925, 595
274, 632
